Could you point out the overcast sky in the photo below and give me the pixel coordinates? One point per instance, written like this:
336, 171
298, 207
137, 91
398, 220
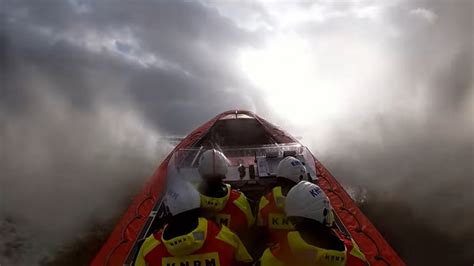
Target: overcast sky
381, 91
178, 64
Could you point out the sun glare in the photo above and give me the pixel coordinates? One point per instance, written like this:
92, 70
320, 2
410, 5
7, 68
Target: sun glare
287, 72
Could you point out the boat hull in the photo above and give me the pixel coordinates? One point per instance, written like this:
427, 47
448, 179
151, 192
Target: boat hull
126, 233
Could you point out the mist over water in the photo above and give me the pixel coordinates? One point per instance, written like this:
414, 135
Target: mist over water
415, 186
65, 171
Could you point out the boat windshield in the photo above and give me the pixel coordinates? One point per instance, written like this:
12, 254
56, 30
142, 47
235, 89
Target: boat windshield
246, 163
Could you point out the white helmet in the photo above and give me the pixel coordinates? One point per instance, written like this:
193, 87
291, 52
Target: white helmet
213, 163
292, 169
181, 197
309, 201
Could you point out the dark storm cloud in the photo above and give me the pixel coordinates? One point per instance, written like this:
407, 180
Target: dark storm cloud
188, 95
194, 39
